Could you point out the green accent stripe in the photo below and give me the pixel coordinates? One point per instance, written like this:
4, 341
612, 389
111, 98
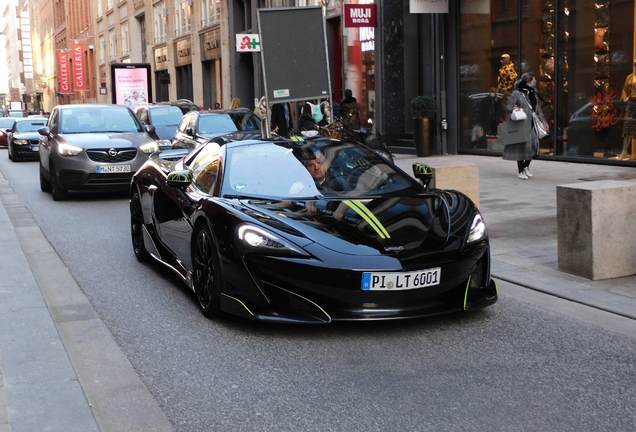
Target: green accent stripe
369, 217
242, 304
298, 295
466, 294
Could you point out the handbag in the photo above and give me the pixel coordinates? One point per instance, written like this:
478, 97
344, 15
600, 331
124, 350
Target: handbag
514, 132
539, 126
518, 114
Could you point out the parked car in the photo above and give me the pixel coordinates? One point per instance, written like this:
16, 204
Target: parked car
309, 232
597, 128
92, 146
24, 139
165, 117
6, 123
16, 113
199, 127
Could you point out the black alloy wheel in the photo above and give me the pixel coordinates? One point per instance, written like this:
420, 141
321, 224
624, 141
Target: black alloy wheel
137, 228
59, 193
206, 277
45, 185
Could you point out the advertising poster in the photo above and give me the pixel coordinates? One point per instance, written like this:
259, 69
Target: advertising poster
64, 84
78, 67
131, 84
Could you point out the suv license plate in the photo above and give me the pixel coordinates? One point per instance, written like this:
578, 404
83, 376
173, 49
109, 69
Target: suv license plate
106, 169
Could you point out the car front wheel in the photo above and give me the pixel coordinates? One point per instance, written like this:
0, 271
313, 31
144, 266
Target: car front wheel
206, 278
45, 185
58, 192
137, 228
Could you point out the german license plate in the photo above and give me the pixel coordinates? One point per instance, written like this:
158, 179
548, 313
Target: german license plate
34, 148
391, 281
106, 169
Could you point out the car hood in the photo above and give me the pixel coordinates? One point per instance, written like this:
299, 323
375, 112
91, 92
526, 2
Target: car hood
100, 140
26, 135
237, 136
387, 226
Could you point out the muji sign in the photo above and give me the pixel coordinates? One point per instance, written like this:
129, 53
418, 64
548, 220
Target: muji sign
360, 15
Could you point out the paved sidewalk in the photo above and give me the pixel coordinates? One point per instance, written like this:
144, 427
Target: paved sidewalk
521, 220
61, 370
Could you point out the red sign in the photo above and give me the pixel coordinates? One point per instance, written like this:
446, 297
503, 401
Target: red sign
65, 79
360, 15
78, 67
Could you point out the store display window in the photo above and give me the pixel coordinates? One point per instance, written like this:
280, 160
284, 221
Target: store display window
582, 54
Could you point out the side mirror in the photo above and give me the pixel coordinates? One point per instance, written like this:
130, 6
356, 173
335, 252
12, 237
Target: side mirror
44, 131
149, 128
423, 172
179, 179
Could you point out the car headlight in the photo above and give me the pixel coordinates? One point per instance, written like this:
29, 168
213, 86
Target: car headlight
20, 142
68, 150
150, 147
477, 229
259, 240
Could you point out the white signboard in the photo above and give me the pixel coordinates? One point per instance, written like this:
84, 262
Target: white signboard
428, 6
248, 42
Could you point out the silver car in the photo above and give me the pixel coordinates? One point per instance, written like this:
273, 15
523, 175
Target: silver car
92, 147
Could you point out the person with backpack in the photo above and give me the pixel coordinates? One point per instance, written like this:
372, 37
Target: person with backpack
350, 112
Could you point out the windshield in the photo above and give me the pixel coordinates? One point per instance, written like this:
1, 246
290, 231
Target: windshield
221, 124
6, 123
315, 169
30, 125
165, 115
96, 119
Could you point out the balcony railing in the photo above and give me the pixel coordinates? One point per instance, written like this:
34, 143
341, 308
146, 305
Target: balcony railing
209, 22
159, 40
183, 31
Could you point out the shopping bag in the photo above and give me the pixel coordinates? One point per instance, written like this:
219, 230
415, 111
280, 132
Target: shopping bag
514, 132
518, 114
539, 127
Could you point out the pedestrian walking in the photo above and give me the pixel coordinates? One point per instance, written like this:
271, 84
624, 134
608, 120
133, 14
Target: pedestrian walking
525, 98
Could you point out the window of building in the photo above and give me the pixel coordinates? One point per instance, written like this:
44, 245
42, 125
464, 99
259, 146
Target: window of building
125, 40
102, 50
582, 56
159, 20
182, 18
210, 13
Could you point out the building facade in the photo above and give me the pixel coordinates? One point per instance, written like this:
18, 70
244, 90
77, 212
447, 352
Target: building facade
581, 51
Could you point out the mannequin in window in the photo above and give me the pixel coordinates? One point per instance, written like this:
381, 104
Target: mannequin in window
629, 124
507, 75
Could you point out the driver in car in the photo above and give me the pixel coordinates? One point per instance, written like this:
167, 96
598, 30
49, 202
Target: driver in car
319, 170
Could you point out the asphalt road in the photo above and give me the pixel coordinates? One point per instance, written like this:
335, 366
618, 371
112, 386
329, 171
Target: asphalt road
531, 362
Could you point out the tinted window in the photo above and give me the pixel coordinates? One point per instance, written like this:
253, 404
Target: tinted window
165, 115
30, 126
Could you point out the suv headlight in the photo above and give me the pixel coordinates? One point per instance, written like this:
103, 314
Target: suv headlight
150, 147
68, 150
477, 229
20, 142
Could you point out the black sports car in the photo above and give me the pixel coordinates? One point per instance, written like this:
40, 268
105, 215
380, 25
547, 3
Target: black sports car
309, 232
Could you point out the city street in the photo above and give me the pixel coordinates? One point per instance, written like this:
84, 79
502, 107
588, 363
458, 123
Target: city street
531, 362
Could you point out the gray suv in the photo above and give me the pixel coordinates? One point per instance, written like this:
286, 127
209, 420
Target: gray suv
92, 146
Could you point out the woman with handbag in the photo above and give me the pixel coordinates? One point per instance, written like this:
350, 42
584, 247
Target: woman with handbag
525, 98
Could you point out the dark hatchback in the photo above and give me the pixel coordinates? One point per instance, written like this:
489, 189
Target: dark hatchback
6, 123
199, 127
165, 117
24, 139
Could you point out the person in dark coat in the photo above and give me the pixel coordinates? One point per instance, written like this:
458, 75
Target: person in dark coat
525, 98
350, 112
281, 119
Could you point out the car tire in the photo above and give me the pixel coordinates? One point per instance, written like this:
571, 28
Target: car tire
206, 278
45, 185
137, 227
58, 192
